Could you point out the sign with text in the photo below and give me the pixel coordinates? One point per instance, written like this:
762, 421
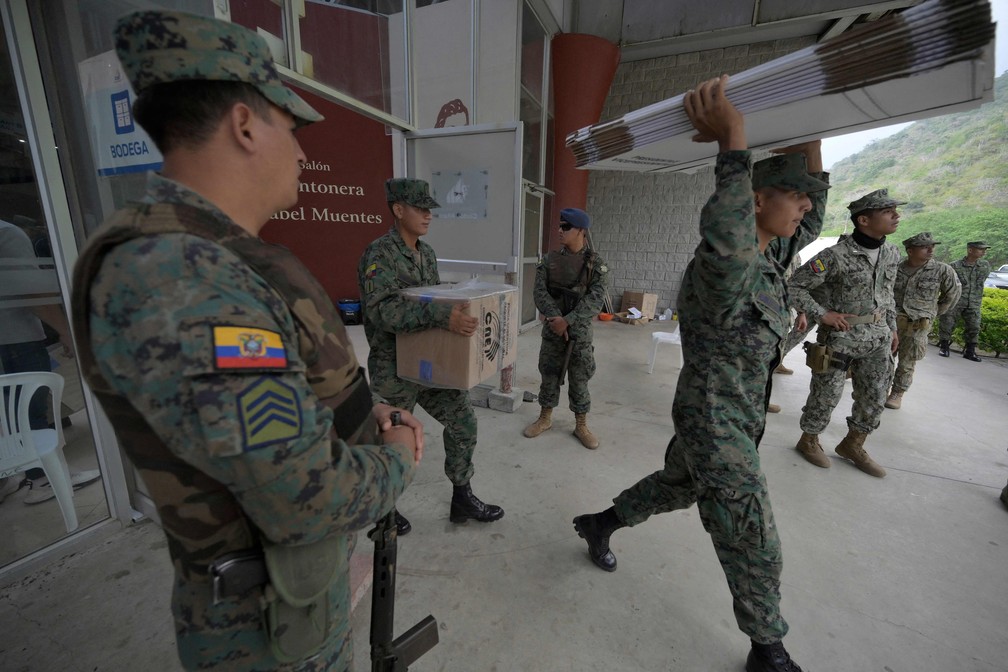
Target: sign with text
341, 207
119, 145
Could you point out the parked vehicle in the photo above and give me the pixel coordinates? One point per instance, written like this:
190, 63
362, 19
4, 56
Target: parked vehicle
998, 278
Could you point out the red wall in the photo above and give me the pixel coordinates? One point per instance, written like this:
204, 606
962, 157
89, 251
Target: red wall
329, 231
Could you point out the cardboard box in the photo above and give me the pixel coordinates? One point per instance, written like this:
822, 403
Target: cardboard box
626, 318
647, 304
439, 358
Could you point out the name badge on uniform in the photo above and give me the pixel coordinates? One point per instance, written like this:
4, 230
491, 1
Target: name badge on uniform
768, 300
248, 348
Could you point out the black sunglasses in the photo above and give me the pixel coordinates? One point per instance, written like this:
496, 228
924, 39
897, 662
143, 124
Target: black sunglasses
564, 226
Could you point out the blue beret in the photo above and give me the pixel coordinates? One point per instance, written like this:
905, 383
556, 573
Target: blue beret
579, 219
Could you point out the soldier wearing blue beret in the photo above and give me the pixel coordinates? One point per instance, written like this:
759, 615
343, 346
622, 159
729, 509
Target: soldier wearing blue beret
569, 290
225, 369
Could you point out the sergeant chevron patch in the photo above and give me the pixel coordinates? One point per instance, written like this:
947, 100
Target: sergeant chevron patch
270, 412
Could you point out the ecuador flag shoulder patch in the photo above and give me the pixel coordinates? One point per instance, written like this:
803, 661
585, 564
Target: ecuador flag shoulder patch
248, 348
817, 265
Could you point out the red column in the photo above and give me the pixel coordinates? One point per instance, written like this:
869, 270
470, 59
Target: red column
583, 68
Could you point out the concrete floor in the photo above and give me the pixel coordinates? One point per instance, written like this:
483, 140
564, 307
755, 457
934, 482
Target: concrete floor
904, 574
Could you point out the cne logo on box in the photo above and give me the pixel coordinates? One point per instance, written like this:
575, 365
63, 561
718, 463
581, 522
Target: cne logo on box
491, 335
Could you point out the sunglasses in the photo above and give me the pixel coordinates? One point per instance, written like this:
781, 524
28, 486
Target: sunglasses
564, 226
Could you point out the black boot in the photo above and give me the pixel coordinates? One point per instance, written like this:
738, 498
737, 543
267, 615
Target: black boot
596, 528
943, 347
403, 526
466, 505
770, 658
970, 352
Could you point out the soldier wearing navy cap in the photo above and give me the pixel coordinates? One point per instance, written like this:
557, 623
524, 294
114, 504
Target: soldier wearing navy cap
397, 260
225, 369
734, 316
972, 270
848, 290
569, 291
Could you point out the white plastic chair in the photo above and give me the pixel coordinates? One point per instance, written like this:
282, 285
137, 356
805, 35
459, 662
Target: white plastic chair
22, 448
665, 337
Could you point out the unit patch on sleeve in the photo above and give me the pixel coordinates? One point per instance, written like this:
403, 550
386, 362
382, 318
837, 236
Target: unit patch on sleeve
248, 348
270, 412
817, 265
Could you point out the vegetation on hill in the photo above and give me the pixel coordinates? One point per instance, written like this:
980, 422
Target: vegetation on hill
952, 170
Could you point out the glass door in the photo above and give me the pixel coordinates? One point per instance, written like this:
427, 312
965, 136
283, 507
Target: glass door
35, 337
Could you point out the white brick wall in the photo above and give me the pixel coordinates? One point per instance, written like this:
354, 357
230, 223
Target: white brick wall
645, 226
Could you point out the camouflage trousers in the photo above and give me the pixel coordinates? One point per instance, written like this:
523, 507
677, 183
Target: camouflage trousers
742, 529
452, 408
970, 315
580, 369
871, 374
912, 347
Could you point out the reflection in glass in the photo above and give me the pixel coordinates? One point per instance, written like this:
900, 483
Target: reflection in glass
34, 336
530, 111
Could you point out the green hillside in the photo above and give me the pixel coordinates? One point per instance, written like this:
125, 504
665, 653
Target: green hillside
952, 170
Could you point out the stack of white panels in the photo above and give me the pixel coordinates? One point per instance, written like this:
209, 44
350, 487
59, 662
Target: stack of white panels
932, 59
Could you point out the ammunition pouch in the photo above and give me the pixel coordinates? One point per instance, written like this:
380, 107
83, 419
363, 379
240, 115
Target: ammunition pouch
295, 582
295, 603
822, 358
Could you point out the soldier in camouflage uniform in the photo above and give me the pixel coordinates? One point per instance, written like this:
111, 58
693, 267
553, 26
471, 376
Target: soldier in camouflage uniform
734, 315
972, 270
924, 288
223, 366
398, 260
848, 290
569, 290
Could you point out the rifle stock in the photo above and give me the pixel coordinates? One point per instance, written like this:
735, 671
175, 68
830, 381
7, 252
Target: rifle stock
567, 356
388, 654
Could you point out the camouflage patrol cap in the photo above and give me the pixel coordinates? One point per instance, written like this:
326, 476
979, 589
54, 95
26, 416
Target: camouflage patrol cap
922, 239
978, 243
785, 171
875, 200
156, 47
409, 191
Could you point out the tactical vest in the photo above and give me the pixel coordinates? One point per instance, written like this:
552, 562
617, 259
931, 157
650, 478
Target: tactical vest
568, 276
331, 369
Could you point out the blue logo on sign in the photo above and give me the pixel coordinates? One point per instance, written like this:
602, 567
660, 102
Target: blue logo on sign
121, 114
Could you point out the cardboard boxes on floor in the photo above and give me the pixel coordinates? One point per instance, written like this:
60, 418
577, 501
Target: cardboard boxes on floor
440, 358
646, 303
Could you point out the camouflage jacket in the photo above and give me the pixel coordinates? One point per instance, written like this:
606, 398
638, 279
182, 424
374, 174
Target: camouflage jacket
734, 316
972, 278
843, 278
387, 266
928, 292
580, 318
234, 449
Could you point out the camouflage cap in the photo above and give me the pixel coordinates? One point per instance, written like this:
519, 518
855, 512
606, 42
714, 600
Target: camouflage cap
785, 171
156, 47
922, 239
978, 243
875, 200
409, 191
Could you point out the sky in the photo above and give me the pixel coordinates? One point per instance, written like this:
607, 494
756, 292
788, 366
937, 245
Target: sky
842, 146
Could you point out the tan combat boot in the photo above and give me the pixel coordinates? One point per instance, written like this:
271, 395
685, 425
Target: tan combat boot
544, 422
783, 370
895, 400
852, 448
582, 432
811, 450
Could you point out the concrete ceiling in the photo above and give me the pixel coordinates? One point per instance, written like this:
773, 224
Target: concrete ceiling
652, 28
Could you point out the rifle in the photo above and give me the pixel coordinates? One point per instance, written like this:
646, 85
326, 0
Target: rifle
388, 654
567, 356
